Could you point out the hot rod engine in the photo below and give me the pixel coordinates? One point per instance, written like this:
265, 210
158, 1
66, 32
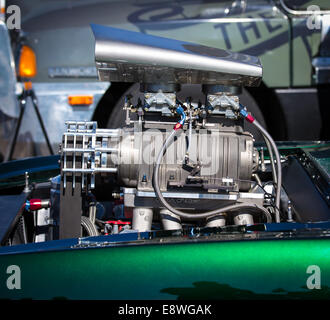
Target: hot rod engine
174, 163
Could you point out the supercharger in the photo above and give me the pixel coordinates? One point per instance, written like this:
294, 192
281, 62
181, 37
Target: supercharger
174, 161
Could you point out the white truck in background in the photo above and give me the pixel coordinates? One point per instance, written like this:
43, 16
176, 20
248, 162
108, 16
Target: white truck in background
36, 130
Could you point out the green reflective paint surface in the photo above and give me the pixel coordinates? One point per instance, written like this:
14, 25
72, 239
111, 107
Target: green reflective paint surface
272, 269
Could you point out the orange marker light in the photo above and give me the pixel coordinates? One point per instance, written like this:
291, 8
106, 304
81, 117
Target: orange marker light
27, 63
80, 100
28, 85
2, 10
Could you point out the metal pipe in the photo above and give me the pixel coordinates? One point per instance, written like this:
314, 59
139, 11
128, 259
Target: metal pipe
279, 168
87, 150
271, 156
95, 170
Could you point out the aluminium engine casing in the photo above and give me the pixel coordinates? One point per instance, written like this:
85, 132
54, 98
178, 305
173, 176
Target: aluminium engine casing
213, 154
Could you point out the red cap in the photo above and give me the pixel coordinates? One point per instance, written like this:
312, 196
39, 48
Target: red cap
178, 126
119, 222
35, 204
250, 118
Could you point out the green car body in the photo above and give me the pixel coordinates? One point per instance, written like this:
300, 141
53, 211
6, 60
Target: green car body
270, 261
249, 269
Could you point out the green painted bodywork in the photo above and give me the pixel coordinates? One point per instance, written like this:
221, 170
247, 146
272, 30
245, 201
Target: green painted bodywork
266, 264
39, 169
263, 269
302, 69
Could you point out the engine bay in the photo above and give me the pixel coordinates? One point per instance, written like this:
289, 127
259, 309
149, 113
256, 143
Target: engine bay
175, 164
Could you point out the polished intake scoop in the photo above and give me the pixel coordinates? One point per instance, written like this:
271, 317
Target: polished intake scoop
129, 56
